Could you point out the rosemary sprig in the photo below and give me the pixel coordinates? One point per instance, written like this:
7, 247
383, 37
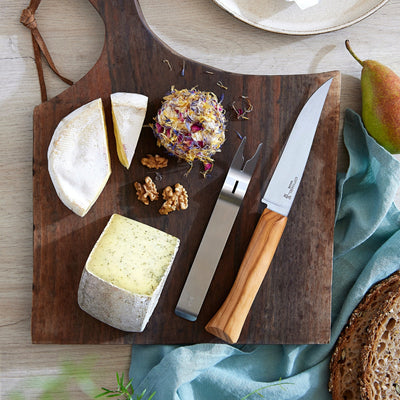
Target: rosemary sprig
126, 391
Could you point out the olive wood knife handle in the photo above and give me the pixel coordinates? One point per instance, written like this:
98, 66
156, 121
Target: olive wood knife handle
228, 322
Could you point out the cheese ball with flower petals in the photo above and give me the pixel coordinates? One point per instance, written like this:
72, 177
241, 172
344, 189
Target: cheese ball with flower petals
191, 125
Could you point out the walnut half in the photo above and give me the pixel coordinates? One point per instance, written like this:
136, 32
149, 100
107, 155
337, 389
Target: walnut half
146, 192
175, 199
156, 161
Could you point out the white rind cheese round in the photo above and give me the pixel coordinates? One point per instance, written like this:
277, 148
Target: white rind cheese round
125, 273
128, 112
78, 157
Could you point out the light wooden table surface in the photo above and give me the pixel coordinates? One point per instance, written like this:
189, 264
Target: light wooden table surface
74, 34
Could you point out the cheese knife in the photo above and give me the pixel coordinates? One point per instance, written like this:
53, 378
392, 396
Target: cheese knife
278, 198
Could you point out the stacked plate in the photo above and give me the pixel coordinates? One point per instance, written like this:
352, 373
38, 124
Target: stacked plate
287, 17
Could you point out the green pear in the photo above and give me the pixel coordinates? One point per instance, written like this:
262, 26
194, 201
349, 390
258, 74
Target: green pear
380, 94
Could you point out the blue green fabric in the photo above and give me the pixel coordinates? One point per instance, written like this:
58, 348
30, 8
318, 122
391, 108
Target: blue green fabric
366, 250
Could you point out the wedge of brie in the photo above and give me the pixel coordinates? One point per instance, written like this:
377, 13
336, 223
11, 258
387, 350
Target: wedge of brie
78, 157
125, 273
128, 112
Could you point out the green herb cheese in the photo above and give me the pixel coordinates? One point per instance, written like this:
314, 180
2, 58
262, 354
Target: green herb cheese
132, 255
125, 273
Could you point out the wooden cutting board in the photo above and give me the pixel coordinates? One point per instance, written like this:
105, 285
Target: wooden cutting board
294, 303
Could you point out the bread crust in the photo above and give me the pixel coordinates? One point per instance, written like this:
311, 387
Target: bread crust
380, 367
345, 364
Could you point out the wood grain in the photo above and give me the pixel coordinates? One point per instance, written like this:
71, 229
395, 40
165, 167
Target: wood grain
297, 290
228, 322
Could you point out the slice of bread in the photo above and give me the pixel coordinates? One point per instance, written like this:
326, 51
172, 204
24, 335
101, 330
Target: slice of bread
380, 356
345, 364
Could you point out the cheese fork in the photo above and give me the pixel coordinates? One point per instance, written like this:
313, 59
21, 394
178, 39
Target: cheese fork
216, 234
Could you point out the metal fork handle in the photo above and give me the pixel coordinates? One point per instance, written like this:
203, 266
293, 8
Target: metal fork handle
216, 235
206, 260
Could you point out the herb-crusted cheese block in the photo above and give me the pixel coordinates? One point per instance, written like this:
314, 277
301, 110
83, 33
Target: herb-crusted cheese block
128, 112
78, 157
125, 273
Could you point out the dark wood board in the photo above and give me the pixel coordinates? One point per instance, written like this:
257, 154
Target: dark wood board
294, 302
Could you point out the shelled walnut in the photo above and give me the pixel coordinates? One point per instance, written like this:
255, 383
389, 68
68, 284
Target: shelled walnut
175, 199
156, 161
146, 192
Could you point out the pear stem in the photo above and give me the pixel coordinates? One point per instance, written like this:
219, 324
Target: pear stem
347, 43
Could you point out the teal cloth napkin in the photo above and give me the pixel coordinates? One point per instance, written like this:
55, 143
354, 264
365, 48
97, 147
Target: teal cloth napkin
366, 250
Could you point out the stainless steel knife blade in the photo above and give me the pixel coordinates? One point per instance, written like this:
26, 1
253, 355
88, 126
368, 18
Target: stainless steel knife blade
286, 179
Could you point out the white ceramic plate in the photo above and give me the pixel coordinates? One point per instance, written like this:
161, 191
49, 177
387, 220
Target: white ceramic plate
282, 16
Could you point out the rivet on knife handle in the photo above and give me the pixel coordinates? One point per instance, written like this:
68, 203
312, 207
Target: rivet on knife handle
228, 322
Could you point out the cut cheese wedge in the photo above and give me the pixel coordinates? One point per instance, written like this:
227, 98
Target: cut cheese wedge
125, 273
128, 112
78, 157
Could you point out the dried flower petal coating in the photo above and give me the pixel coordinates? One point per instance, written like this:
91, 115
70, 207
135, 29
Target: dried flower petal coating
191, 125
